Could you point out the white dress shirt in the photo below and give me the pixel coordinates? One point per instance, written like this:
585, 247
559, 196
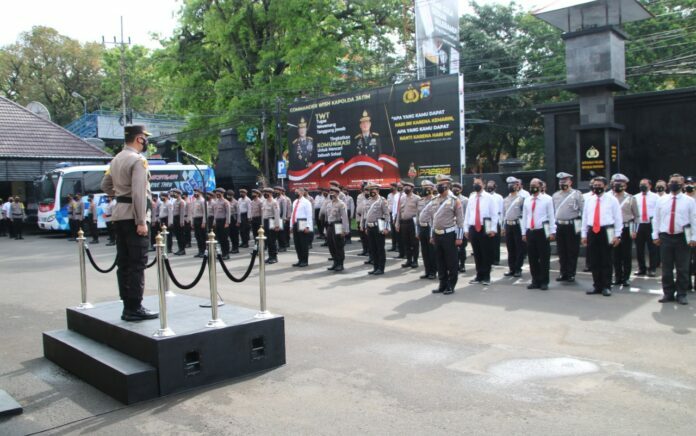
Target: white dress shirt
395, 203
651, 202
488, 210
304, 212
684, 215
499, 201
543, 212
609, 213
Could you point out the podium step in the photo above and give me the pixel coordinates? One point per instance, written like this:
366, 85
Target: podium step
127, 379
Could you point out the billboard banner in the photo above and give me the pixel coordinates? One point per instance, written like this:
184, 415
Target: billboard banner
409, 131
437, 37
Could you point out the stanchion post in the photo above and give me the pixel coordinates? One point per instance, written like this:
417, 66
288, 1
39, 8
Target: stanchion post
83, 273
165, 235
215, 322
164, 329
263, 311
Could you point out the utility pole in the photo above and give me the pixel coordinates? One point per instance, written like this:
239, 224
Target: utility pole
122, 45
278, 143
264, 133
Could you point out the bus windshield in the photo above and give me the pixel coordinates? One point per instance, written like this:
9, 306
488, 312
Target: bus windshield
47, 188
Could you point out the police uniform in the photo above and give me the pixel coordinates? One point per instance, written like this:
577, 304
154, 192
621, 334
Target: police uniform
319, 200
337, 225
496, 239
350, 207
178, 214
304, 151
255, 212
647, 203
284, 205
424, 219
243, 217
221, 212
376, 223
199, 224
359, 212
270, 213
301, 221
447, 227
233, 230
18, 217
108, 207
364, 144
164, 215
406, 216
79, 214
93, 220
128, 179
511, 222
461, 249
622, 253
154, 222
568, 204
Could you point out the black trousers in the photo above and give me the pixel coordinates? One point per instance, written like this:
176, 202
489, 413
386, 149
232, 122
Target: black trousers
320, 223
154, 230
568, 246
244, 228
234, 233
599, 252
222, 236
94, 230
187, 233
271, 240
516, 248
131, 250
364, 242
481, 244
539, 256
675, 253
407, 231
375, 239
302, 244
110, 231
284, 235
446, 255
622, 256
428, 251
496, 247
255, 226
17, 227
170, 238
178, 231
73, 229
199, 232
461, 253
397, 241
3, 227
644, 239
336, 244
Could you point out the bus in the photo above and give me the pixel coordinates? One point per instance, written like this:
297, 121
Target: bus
54, 187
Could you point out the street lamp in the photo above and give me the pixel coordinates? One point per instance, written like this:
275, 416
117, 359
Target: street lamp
75, 94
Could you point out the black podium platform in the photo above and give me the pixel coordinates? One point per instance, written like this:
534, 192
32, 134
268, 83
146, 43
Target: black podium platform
125, 360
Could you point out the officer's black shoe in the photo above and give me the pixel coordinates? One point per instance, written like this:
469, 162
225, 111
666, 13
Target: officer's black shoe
371, 272
561, 279
414, 264
533, 286
570, 279
110, 244
518, 274
406, 265
681, 299
331, 268
93, 242
462, 270
651, 273
448, 291
282, 250
485, 282
641, 273
666, 299
368, 262
432, 277
180, 253
271, 260
235, 251
586, 269
225, 257
593, 291
139, 314
244, 246
626, 283
606, 292
364, 253
544, 287
303, 264
338, 268
296, 264
509, 274
378, 272
438, 290
424, 276
474, 281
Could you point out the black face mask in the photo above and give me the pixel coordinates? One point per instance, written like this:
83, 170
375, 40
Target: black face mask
332, 196
456, 191
660, 189
399, 189
618, 188
373, 194
143, 142
598, 190
367, 195
441, 189
534, 189
407, 190
675, 187
512, 188
643, 188
563, 186
689, 189
427, 192
477, 188
490, 189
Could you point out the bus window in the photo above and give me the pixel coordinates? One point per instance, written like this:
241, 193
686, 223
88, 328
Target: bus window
92, 182
72, 184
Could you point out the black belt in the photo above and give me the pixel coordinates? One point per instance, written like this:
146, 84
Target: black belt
124, 199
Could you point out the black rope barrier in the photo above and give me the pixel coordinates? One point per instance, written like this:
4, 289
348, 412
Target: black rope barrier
151, 264
229, 275
194, 282
94, 264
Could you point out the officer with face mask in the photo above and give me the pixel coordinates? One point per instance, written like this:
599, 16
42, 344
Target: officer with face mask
270, 213
629, 211
511, 228
376, 223
568, 204
359, 212
461, 249
690, 191
481, 224
198, 215
337, 225
646, 202
406, 212
491, 189
424, 219
447, 233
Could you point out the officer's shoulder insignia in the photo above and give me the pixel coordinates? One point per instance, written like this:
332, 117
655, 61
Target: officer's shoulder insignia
144, 162
108, 170
296, 141
358, 136
309, 138
374, 133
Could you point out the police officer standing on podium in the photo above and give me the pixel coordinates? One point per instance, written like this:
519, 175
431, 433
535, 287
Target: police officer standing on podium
128, 180
568, 204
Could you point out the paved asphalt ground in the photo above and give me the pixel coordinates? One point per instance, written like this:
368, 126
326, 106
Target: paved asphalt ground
374, 356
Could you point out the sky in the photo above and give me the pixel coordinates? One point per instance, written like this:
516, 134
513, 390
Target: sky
89, 20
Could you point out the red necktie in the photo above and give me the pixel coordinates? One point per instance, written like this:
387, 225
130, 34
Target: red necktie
533, 209
477, 218
674, 212
294, 212
595, 226
645, 208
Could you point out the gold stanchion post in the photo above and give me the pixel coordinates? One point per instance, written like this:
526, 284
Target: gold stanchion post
215, 322
84, 305
263, 311
164, 330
